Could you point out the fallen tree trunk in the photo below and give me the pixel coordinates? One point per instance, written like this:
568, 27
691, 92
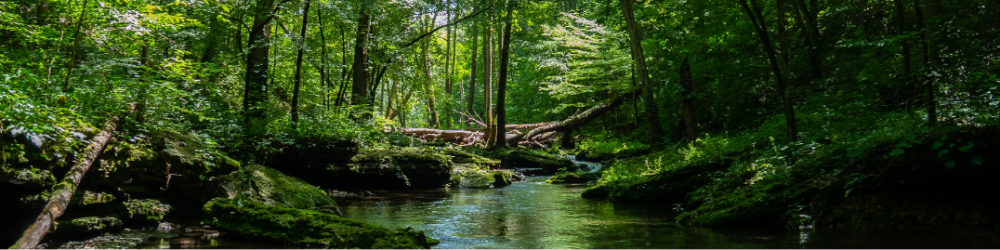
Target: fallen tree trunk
539, 132
574, 121
63, 191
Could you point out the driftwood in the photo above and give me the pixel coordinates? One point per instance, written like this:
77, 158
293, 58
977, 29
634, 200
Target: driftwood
539, 133
63, 191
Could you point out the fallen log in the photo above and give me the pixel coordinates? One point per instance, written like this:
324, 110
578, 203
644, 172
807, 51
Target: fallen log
63, 191
573, 121
539, 132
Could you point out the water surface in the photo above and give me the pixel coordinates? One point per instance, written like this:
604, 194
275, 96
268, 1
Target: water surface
534, 214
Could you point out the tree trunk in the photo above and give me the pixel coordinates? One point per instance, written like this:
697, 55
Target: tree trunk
76, 43
812, 39
501, 139
63, 191
359, 87
343, 71
472, 74
298, 67
690, 111
783, 41
255, 82
487, 77
635, 41
447, 50
758, 22
905, 46
930, 16
573, 121
324, 73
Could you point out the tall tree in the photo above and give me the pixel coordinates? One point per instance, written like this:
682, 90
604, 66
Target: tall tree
472, 66
254, 89
690, 111
298, 66
905, 46
487, 76
931, 22
359, 87
757, 20
635, 41
76, 44
501, 134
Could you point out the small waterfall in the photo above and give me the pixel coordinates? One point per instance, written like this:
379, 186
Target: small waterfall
584, 165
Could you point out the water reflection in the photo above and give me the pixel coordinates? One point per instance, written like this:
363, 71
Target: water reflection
533, 214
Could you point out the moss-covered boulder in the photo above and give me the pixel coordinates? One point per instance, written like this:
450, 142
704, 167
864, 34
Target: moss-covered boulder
502, 178
381, 168
568, 177
271, 187
472, 176
462, 157
515, 158
301, 227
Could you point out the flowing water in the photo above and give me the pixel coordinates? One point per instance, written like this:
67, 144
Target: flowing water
534, 214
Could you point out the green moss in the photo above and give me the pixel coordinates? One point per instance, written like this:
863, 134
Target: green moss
90, 223
298, 226
274, 188
459, 157
88, 198
410, 161
194, 150
574, 177
525, 158
502, 178
127, 239
472, 176
151, 209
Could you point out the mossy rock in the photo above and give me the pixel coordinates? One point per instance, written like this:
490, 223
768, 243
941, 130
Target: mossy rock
150, 209
502, 178
472, 176
267, 185
89, 223
460, 157
301, 227
382, 168
567, 177
511, 158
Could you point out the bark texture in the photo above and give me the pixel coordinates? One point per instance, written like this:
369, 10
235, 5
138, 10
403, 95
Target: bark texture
63, 191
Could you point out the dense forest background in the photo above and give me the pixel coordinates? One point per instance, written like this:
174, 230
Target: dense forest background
758, 85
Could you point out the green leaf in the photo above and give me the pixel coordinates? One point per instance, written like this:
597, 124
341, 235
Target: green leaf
937, 145
949, 165
943, 152
897, 151
976, 160
966, 147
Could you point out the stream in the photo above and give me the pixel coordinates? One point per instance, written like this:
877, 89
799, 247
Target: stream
536, 215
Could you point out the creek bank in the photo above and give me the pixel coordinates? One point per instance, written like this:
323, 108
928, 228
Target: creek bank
306, 227
932, 179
